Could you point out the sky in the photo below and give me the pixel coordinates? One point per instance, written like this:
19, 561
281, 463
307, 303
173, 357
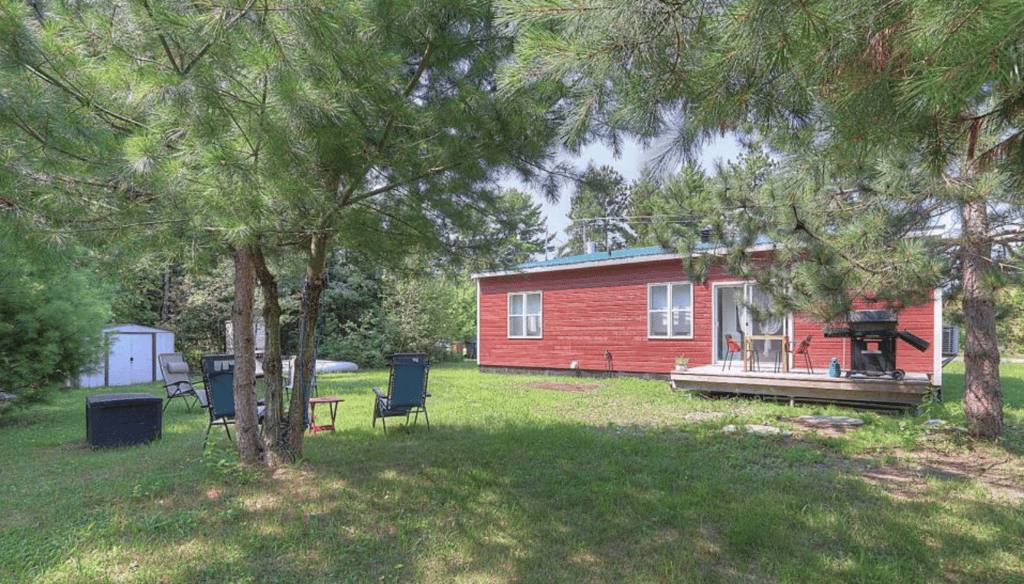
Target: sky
629, 165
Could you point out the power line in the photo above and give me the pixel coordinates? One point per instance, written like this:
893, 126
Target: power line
677, 218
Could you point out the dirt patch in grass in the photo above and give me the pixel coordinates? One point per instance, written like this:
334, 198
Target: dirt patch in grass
563, 386
908, 476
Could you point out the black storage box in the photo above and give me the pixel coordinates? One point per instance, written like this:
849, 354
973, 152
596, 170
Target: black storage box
114, 419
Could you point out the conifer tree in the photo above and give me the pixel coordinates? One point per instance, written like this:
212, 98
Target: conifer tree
598, 212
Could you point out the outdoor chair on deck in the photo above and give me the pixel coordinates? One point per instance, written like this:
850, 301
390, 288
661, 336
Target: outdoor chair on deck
407, 390
732, 348
177, 382
804, 348
782, 355
219, 377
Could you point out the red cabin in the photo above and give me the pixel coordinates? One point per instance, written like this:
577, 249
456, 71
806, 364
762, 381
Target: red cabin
634, 312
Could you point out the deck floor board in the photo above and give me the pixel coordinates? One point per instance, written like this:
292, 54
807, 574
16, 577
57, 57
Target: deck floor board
804, 385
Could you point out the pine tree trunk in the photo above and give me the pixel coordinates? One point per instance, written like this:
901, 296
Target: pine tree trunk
305, 363
250, 444
275, 425
983, 395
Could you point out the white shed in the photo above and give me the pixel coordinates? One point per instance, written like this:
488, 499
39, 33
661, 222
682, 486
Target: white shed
131, 358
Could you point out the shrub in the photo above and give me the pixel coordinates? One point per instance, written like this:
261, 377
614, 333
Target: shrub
52, 314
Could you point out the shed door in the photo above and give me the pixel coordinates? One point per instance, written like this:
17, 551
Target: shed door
131, 359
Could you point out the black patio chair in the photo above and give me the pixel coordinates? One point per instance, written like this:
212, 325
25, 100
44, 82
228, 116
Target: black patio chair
219, 377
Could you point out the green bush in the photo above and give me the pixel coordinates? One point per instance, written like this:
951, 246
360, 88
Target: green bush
52, 313
361, 343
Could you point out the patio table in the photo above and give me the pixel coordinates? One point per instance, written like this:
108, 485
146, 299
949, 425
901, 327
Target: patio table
749, 351
332, 404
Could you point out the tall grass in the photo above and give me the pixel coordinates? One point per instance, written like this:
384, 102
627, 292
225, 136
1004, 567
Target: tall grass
520, 479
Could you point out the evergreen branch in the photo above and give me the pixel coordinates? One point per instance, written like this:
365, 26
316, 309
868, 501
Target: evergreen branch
349, 197
559, 170
46, 179
234, 121
952, 32
352, 198
70, 90
1009, 237
853, 261
410, 86
414, 80
256, 100
32, 133
998, 152
395, 219
184, 70
167, 50
123, 226
231, 23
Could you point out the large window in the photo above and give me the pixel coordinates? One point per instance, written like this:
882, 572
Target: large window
524, 315
670, 310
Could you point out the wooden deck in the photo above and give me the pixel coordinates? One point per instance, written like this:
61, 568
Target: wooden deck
801, 385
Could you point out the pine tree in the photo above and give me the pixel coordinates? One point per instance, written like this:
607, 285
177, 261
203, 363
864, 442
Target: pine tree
598, 212
518, 231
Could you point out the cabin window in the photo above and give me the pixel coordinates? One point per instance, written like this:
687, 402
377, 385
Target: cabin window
524, 315
670, 310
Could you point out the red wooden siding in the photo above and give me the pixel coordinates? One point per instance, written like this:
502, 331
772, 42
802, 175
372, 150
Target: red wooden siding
590, 310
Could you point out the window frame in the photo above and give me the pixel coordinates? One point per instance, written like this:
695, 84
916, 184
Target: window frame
525, 315
669, 311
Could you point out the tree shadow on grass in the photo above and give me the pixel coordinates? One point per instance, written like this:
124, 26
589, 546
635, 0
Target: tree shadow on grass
517, 502
570, 503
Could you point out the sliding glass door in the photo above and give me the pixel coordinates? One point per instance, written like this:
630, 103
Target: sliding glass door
741, 311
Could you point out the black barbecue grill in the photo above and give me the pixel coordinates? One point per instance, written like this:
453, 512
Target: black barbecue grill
873, 335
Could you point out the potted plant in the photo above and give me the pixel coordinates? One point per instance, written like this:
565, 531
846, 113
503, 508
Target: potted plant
681, 363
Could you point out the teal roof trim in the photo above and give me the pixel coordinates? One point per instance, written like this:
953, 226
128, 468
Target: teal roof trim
622, 254
599, 257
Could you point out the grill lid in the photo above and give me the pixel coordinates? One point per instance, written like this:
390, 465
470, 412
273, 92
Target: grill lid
871, 316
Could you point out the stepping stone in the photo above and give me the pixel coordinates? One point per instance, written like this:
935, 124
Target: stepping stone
758, 429
943, 426
829, 421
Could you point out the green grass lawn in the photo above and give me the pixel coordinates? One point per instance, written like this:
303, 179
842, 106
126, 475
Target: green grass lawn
522, 479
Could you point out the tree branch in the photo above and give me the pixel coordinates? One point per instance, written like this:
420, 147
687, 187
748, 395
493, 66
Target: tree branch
180, 70
32, 133
355, 198
386, 135
124, 226
241, 12
66, 88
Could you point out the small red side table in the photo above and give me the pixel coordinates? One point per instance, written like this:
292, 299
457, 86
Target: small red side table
332, 403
